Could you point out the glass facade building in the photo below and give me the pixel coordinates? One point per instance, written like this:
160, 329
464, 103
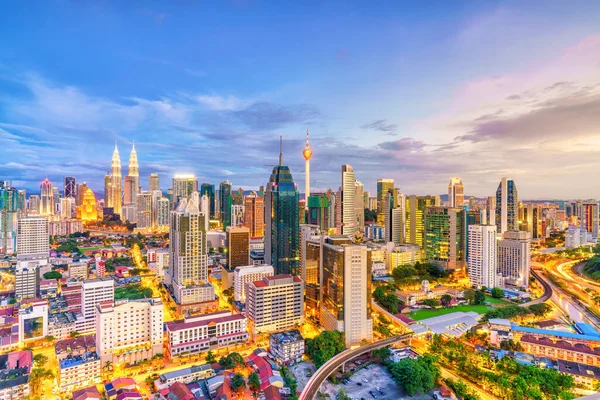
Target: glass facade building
225, 202
209, 190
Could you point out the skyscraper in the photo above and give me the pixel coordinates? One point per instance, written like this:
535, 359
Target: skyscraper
116, 185
482, 256
153, 182
507, 206
183, 187
129, 192
46, 198
514, 258
383, 185
225, 202
209, 190
456, 193
10, 209
415, 217
70, 187
359, 205
133, 169
307, 154
445, 237
87, 211
282, 229
348, 201
318, 212
144, 210
238, 247
254, 215
33, 239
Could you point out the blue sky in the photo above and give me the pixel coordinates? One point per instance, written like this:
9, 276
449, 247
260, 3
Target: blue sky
411, 91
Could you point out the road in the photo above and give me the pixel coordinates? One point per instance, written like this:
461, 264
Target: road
478, 390
547, 290
315, 382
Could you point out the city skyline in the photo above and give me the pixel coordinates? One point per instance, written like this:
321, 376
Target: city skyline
480, 104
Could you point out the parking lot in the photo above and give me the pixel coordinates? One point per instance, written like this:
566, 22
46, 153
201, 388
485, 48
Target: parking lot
301, 372
374, 379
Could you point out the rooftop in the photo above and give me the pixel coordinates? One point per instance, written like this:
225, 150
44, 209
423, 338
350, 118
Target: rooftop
287, 336
557, 334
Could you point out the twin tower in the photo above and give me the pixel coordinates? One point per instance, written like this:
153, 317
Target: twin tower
113, 182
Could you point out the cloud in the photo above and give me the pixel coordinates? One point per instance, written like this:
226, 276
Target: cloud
220, 103
269, 116
195, 72
380, 125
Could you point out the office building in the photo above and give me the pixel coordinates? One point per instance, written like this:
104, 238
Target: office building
129, 331
144, 210
286, 347
406, 254
346, 289
445, 238
348, 197
415, 217
225, 202
247, 274
162, 213
209, 190
514, 258
456, 193
33, 239
114, 184
133, 172
254, 215
482, 256
588, 218
10, 210
531, 219
359, 206
33, 205
70, 187
27, 280
129, 213
94, 292
153, 182
46, 198
318, 212
282, 229
394, 217
383, 186
198, 334
188, 259
130, 191
507, 206
183, 187
67, 208
275, 303
238, 246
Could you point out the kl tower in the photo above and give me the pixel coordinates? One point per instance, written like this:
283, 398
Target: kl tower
307, 153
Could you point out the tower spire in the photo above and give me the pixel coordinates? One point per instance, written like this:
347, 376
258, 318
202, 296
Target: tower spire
307, 138
280, 149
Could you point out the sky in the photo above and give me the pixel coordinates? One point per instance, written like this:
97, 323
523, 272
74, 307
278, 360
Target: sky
415, 91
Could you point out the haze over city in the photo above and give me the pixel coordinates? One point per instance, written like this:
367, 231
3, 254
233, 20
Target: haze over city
418, 94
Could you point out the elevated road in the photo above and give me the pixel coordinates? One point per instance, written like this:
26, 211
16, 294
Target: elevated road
315, 382
547, 290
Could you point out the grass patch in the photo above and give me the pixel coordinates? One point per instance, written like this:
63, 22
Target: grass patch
492, 300
91, 248
424, 314
132, 292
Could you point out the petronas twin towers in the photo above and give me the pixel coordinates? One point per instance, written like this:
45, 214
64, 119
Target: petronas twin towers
113, 182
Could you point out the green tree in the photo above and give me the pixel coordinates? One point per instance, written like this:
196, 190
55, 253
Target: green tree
416, 376
342, 394
469, 295
540, 309
254, 382
238, 383
226, 362
497, 293
381, 355
237, 359
53, 275
74, 334
40, 360
210, 357
479, 297
445, 300
324, 346
432, 303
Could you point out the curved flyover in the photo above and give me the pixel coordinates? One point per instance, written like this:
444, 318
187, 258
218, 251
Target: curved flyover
547, 290
315, 382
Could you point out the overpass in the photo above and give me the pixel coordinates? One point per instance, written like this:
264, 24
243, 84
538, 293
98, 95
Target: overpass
547, 290
315, 382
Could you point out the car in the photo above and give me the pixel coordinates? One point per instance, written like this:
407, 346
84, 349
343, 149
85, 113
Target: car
373, 394
359, 384
365, 380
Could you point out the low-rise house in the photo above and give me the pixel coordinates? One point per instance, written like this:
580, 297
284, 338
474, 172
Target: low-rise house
15, 368
286, 347
79, 365
184, 375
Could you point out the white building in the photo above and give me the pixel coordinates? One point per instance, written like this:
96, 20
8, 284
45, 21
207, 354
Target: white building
129, 331
33, 320
129, 213
27, 280
244, 275
94, 292
348, 201
575, 237
144, 210
198, 334
275, 303
482, 256
32, 239
513, 258
286, 347
78, 270
405, 254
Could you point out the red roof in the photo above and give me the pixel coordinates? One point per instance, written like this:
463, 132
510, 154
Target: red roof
87, 393
179, 391
179, 325
272, 393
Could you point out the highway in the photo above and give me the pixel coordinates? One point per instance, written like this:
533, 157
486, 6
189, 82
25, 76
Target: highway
315, 382
547, 290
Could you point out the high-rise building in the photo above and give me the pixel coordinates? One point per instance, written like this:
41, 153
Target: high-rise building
415, 217
254, 215
27, 281
514, 258
238, 246
445, 237
275, 303
588, 218
162, 213
383, 186
307, 154
488, 216
67, 207
133, 171
482, 267
116, 183
531, 218
10, 209
130, 191
144, 210
359, 206
346, 289
348, 201
87, 211
33, 205
247, 274
394, 217
507, 206
209, 190
225, 202
136, 325
32, 238
70, 187
282, 229
22, 202
318, 212
81, 188
93, 293
46, 198
311, 268
153, 182
188, 259
183, 187
456, 193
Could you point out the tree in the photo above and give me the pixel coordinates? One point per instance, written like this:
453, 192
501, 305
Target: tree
479, 297
416, 376
53, 275
540, 309
497, 293
381, 355
432, 303
342, 394
49, 338
226, 362
237, 359
469, 295
324, 346
446, 299
37, 376
40, 360
210, 357
254, 382
74, 334
238, 383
